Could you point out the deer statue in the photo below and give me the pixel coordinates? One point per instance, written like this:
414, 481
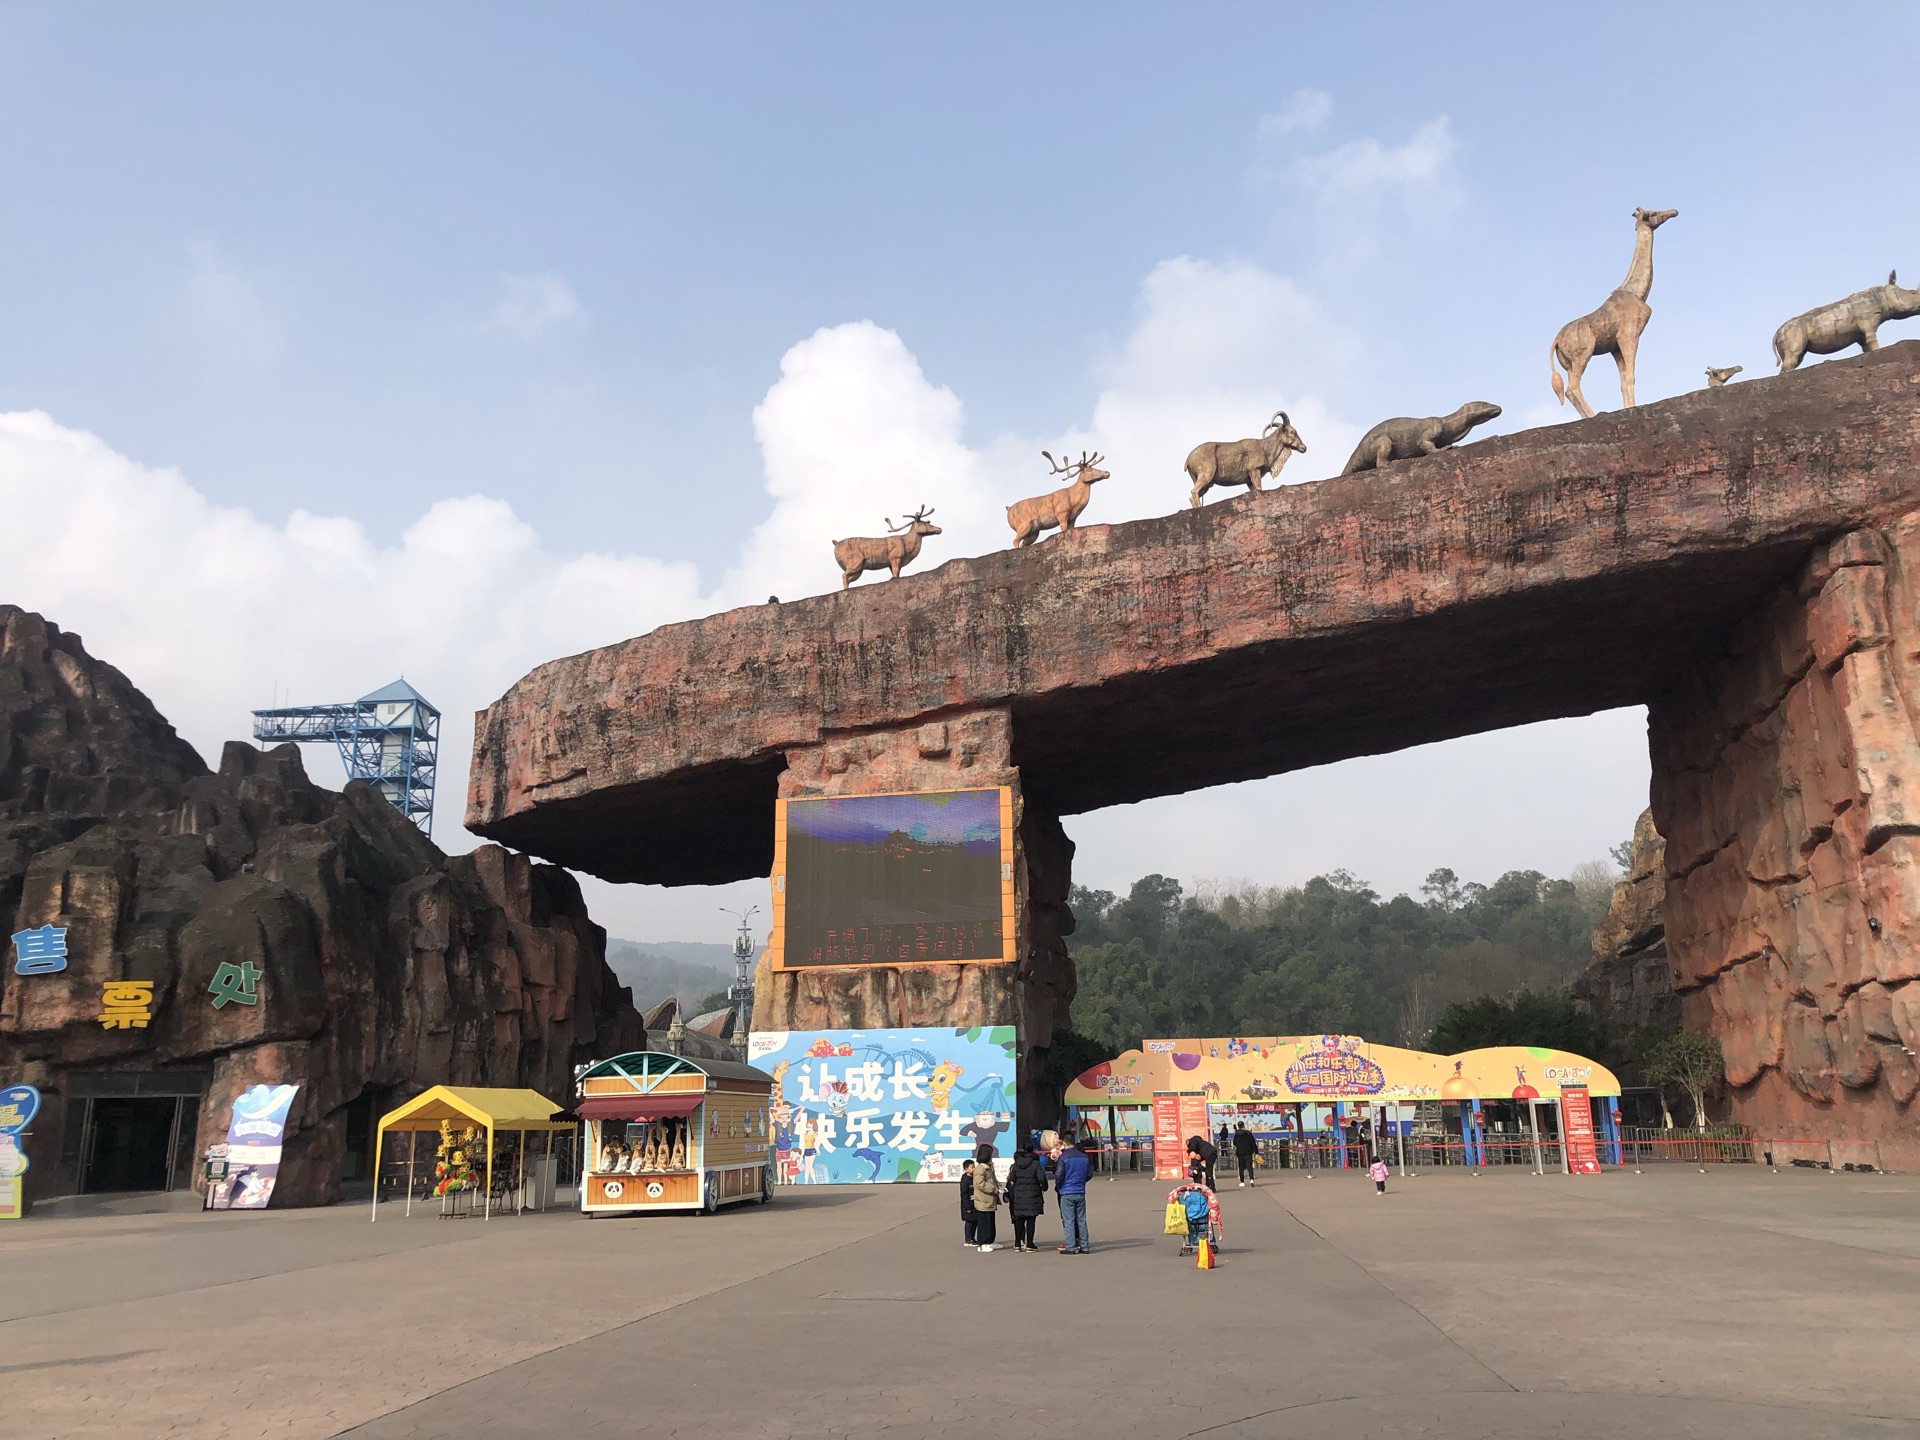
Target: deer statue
899, 546
1855, 320
1243, 462
1058, 509
1614, 329
1718, 375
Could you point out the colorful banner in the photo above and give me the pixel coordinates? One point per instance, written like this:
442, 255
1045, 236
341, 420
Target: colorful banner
255, 1136
1169, 1145
860, 1107
1576, 1130
1316, 1068
1335, 1066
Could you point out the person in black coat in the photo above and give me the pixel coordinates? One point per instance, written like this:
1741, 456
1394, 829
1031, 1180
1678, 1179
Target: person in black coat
967, 1227
1026, 1195
1244, 1149
1200, 1157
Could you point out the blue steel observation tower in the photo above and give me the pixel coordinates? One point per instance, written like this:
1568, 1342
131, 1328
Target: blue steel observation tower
390, 739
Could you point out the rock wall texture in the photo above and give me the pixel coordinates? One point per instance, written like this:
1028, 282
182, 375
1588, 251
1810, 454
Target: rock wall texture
388, 965
1523, 577
1520, 578
1786, 780
1629, 981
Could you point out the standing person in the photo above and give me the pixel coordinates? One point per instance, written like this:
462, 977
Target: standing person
1201, 1150
1026, 1195
986, 1198
968, 1226
1071, 1167
1222, 1139
1378, 1170
1244, 1146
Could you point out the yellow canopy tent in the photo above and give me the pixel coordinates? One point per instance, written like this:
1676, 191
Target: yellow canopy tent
491, 1109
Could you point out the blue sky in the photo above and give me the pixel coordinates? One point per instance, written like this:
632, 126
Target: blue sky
450, 338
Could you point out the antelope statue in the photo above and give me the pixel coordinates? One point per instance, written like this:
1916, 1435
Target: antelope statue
1058, 509
1243, 462
1614, 329
1855, 320
899, 546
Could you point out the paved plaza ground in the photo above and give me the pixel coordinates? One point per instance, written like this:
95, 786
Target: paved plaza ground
1735, 1303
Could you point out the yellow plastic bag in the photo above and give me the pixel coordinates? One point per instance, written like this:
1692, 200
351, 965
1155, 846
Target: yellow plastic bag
1176, 1219
1205, 1261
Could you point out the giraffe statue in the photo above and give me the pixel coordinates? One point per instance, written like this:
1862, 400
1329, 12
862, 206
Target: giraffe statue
1614, 329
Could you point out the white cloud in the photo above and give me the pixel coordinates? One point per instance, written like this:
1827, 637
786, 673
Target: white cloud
528, 307
228, 310
1217, 348
214, 612
1352, 193
853, 434
1306, 111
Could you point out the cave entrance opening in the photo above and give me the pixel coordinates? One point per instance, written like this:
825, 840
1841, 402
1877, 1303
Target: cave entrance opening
133, 1142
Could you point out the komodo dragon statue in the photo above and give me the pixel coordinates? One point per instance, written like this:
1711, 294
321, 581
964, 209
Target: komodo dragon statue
1406, 438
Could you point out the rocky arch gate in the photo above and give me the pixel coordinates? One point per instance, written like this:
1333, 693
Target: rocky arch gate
1743, 561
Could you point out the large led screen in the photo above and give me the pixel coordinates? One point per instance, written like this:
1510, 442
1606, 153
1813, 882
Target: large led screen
895, 879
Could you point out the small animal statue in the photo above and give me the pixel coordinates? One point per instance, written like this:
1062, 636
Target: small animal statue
899, 546
650, 1159
1405, 439
1058, 509
678, 1161
1718, 375
1614, 329
1855, 320
1243, 462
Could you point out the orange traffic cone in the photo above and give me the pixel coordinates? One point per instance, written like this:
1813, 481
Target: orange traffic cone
1205, 1262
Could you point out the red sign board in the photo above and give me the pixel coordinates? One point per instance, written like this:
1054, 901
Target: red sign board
1168, 1143
1576, 1130
1193, 1119
1176, 1118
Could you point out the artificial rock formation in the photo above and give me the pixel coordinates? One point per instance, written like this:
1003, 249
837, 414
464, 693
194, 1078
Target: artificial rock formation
1786, 780
1033, 993
1526, 577
387, 965
1629, 982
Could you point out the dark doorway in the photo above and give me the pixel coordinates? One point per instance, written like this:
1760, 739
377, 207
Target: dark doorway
130, 1144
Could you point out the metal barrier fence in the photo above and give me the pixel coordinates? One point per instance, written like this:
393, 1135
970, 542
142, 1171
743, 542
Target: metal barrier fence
1638, 1145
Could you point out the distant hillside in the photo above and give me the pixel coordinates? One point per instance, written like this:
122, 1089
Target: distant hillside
684, 969
690, 952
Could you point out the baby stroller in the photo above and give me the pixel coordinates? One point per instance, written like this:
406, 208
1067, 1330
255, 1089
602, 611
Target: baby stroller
1201, 1211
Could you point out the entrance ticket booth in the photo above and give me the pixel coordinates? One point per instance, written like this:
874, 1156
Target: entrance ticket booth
671, 1132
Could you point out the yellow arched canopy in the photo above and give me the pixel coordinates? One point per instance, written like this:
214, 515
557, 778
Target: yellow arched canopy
493, 1110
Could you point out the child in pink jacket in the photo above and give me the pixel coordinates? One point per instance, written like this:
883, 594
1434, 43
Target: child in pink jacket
1378, 1172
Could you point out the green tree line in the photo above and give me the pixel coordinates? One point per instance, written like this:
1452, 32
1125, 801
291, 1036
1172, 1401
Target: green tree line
1464, 965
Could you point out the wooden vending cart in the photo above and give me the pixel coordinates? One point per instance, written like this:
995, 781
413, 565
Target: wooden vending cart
671, 1132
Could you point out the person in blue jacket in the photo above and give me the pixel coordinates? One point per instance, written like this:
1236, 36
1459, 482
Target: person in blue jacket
1070, 1170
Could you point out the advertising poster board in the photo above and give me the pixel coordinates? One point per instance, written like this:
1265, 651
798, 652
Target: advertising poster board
864, 1107
1169, 1145
917, 878
1193, 1119
255, 1136
18, 1105
1576, 1129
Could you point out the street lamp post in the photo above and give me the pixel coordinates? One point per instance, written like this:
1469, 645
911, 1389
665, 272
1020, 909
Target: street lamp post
740, 993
